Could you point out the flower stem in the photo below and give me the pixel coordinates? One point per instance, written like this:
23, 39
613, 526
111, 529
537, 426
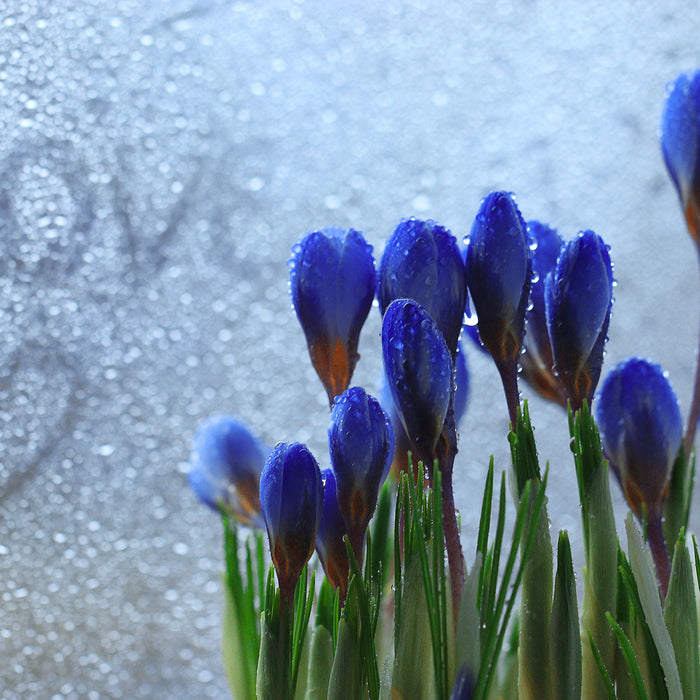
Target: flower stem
657, 543
694, 412
446, 451
509, 378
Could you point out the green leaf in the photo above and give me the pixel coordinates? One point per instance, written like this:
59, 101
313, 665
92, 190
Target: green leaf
630, 659
320, 663
680, 492
680, 614
346, 674
565, 632
645, 577
606, 681
600, 548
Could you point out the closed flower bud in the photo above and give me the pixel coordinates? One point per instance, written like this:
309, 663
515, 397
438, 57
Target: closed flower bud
537, 361
680, 143
332, 283
418, 369
578, 301
330, 544
361, 443
422, 261
641, 431
403, 444
291, 498
498, 274
225, 468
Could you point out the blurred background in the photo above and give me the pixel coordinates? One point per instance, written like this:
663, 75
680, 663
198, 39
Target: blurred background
158, 162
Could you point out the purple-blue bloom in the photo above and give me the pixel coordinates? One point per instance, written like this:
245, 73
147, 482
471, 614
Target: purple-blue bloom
680, 144
332, 283
330, 544
537, 361
578, 302
498, 273
225, 467
418, 368
291, 499
361, 443
403, 444
422, 261
641, 431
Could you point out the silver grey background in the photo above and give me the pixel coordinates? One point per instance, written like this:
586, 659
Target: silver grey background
158, 160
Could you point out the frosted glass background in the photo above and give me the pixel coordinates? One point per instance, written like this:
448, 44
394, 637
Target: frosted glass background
158, 160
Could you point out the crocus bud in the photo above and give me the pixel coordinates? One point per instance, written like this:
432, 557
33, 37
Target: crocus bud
361, 443
403, 444
330, 544
332, 283
291, 499
680, 143
418, 368
225, 468
422, 261
641, 431
578, 301
498, 273
537, 361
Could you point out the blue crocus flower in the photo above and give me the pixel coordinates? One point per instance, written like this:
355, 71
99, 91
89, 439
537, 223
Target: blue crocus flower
332, 283
680, 143
225, 467
361, 443
537, 361
422, 261
578, 301
291, 499
498, 273
330, 544
641, 431
418, 368
403, 444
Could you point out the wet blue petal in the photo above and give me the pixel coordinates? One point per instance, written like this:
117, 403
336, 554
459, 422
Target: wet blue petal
537, 361
680, 143
641, 431
418, 367
361, 443
578, 302
464, 685
291, 499
332, 529
422, 261
225, 467
498, 274
332, 283
403, 444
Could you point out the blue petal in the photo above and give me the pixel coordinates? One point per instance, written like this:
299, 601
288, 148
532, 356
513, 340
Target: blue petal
641, 430
498, 274
332, 284
418, 367
361, 442
680, 132
422, 261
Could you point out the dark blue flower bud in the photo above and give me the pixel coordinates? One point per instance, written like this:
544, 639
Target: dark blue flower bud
537, 361
291, 499
498, 274
680, 143
330, 544
332, 283
641, 431
403, 444
225, 468
422, 261
361, 443
578, 301
418, 368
